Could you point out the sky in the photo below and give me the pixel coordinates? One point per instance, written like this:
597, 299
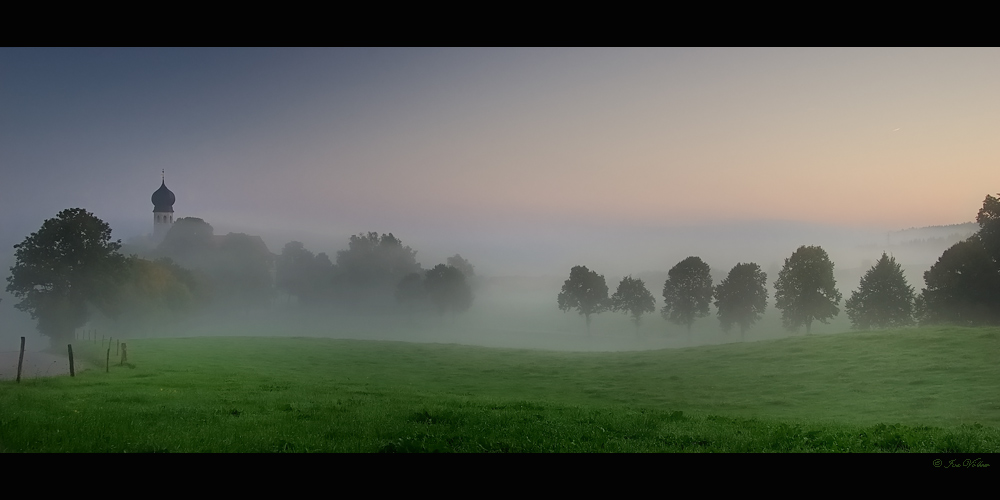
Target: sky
523, 160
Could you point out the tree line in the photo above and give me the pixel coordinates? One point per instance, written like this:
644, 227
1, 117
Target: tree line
71, 269
962, 287
374, 270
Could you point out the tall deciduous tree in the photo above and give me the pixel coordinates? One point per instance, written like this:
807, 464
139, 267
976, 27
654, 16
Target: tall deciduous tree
586, 291
69, 264
805, 290
687, 293
883, 299
742, 297
633, 298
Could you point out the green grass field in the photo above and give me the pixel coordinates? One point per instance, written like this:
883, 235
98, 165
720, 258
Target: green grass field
914, 390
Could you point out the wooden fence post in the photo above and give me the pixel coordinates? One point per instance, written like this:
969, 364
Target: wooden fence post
72, 373
20, 360
107, 362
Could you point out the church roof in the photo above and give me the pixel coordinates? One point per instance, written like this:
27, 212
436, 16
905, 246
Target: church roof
163, 199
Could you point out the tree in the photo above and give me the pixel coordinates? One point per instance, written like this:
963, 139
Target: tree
372, 266
742, 297
989, 227
687, 292
586, 291
962, 286
69, 264
883, 299
447, 289
806, 290
633, 298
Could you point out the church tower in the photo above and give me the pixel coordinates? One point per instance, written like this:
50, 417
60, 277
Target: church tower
163, 210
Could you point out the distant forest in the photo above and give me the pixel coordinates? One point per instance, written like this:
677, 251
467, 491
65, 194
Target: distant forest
929, 236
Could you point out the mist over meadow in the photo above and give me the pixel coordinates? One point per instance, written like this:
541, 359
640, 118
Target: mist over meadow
526, 162
515, 291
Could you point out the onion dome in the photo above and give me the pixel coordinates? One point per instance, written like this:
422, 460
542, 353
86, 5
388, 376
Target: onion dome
163, 199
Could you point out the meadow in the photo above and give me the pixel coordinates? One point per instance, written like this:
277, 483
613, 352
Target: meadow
909, 390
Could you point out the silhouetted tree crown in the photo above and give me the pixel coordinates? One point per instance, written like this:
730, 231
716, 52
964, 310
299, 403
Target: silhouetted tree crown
883, 299
373, 265
687, 293
805, 290
586, 291
742, 297
69, 264
989, 227
633, 298
962, 287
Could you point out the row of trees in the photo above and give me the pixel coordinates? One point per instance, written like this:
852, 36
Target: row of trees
805, 291
375, 269
365, 275
962, 287
741, 298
